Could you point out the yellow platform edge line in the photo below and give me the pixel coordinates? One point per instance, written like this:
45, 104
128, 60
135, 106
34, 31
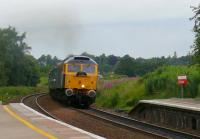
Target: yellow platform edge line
28, 124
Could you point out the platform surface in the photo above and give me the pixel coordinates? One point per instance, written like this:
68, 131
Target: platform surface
12, 128
187, 104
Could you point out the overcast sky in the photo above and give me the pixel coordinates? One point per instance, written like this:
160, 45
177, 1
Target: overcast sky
140, 28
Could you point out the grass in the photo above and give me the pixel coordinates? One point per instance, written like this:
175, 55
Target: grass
112, 76
43, 81
165, 80
10, 93
121, 96
160, 84
124, 93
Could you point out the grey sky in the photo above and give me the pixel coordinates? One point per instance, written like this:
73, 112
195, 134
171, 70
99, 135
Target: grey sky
140, 28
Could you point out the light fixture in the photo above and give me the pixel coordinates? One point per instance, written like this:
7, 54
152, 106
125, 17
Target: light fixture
83, 86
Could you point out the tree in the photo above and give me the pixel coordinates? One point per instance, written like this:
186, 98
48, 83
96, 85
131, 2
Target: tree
3, 42
17, 68
126, 66
88, 55
46, 62
26, 72
175, 55
196, 45
112, 60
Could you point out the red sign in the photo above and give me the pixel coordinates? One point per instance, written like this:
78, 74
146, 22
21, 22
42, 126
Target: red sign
182, 80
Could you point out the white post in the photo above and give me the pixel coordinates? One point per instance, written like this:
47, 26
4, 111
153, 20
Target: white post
182, 91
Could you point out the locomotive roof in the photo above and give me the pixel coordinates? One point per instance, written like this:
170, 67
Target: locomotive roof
80, 60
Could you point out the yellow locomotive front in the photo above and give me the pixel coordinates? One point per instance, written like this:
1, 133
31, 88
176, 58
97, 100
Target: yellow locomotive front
74, 81
81, 78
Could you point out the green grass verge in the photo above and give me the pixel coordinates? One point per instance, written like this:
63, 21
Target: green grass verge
122, 96
159, 84
43, 81
10, 93
111, 76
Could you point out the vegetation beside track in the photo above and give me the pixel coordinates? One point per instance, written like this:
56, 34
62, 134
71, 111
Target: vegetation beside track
8, 94
165, 80
162, 83
122, 95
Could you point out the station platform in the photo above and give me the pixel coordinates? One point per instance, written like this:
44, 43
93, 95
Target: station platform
187, 104
177, 113
18, 121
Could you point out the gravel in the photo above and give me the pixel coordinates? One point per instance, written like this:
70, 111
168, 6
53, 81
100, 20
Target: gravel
88, 123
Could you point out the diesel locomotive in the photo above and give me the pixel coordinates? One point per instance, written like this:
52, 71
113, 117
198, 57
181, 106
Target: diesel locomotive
74, 81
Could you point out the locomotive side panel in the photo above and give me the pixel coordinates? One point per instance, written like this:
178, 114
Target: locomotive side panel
56, 78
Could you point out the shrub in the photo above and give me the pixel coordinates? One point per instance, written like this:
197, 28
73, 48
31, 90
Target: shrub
121, 96
162, 83
165, 79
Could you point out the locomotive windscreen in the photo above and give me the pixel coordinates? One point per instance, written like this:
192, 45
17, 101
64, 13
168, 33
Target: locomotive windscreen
81, 58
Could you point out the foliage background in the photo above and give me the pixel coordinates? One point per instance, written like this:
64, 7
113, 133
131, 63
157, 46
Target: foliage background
153, 78
162, 83
17, 66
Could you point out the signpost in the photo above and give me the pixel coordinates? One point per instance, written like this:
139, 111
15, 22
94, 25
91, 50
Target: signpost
182, 80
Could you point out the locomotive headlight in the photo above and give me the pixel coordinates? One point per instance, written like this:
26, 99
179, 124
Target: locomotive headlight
83, 86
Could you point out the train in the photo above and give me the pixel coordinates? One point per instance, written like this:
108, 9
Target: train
74, 81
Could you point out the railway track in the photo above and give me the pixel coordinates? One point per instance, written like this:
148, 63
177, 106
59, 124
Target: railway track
133, 124
32, 101
119, 121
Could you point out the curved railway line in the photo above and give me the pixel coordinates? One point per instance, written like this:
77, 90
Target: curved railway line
132, 125
32, 101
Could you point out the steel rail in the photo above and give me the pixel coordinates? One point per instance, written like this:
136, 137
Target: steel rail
121, 121
37, 96
31, 95
133, 124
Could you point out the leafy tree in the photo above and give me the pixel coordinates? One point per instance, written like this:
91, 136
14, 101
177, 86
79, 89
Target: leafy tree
108, 64
175, 55
46, 62
196, 45
3, 42
26, 72
16, 66
126, 66
112, 60
88, 55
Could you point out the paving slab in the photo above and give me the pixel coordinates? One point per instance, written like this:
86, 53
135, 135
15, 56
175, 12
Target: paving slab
57, 128
11, 128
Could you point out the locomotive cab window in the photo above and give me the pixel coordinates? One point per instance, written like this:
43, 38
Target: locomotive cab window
89, 68
74, 68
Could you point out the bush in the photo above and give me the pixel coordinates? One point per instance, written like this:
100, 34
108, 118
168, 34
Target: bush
162, 83
165, 79
121, 96
43, 81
